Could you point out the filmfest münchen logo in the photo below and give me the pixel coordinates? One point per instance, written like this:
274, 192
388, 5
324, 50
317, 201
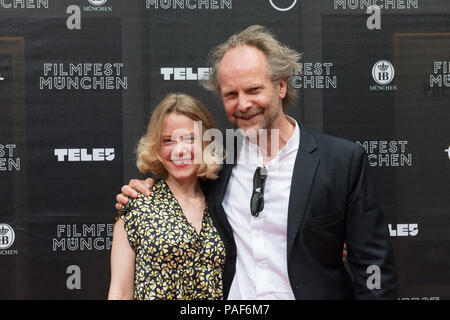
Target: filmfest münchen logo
7, 236
8, 159
318, 75
189, 4
386, 153
21, 4
83, 76
83, 237
382, 4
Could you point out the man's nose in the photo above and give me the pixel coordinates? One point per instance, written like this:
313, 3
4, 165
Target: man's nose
244, 103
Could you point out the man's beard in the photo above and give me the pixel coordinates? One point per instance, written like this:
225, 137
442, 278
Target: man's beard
266, 122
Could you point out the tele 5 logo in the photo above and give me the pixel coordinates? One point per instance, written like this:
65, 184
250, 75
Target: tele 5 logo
404, 230
85, 155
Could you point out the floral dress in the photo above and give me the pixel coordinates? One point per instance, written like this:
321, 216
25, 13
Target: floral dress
173, 261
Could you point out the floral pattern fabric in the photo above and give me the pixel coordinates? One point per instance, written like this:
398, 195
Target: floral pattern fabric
173, 261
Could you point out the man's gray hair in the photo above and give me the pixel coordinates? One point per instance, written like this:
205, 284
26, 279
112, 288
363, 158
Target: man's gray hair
282, 61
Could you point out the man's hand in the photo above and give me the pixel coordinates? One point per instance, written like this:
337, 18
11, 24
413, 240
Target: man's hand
344, 253
131, 189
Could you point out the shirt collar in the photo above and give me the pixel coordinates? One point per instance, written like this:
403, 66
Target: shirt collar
255, 156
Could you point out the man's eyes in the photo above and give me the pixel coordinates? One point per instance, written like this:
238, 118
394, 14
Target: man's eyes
230, 94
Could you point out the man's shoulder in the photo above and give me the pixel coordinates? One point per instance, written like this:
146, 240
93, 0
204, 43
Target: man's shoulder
330, 144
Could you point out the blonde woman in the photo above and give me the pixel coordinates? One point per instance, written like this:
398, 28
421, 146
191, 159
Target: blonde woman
165, 245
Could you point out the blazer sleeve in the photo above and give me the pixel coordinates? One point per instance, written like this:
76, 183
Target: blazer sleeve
369, 251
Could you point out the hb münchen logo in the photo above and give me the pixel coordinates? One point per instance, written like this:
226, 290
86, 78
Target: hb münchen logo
284, 8
7, 236
383, 72
97, 2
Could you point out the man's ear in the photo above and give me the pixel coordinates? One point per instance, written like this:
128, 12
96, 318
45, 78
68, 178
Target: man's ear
282, 88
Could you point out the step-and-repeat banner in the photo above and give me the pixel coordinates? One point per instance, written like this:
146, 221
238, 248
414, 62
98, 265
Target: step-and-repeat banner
80, 78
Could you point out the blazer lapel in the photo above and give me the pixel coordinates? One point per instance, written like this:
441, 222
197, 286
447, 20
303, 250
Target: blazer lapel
306, 164
225, 174
224, 178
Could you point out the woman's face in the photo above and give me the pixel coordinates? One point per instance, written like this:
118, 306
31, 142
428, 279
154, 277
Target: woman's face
181, 149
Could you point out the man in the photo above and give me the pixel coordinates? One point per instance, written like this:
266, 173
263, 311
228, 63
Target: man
285, 219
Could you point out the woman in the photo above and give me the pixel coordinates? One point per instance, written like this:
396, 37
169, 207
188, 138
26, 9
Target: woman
166, 246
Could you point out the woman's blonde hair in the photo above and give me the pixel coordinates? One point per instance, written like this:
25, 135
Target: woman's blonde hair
149, 146
282, 61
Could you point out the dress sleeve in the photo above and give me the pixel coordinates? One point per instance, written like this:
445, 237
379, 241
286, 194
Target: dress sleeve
131, 216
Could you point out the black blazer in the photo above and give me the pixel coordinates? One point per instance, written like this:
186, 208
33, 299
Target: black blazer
332, 201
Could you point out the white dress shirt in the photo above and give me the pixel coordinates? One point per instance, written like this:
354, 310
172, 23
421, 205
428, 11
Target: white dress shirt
261, 242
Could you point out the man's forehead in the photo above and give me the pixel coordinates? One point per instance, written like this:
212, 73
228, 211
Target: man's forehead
242, 56
240, 61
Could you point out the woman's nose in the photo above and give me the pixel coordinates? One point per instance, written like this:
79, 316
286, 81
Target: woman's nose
181, 148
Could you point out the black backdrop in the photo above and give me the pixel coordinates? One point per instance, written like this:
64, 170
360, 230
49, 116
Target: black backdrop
79, 80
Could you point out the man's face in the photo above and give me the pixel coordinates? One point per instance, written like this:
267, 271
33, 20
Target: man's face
251, 99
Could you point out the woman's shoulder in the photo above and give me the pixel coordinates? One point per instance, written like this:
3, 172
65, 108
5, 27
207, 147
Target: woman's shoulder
159, 190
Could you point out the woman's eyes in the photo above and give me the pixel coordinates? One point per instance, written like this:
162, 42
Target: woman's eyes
188, 139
